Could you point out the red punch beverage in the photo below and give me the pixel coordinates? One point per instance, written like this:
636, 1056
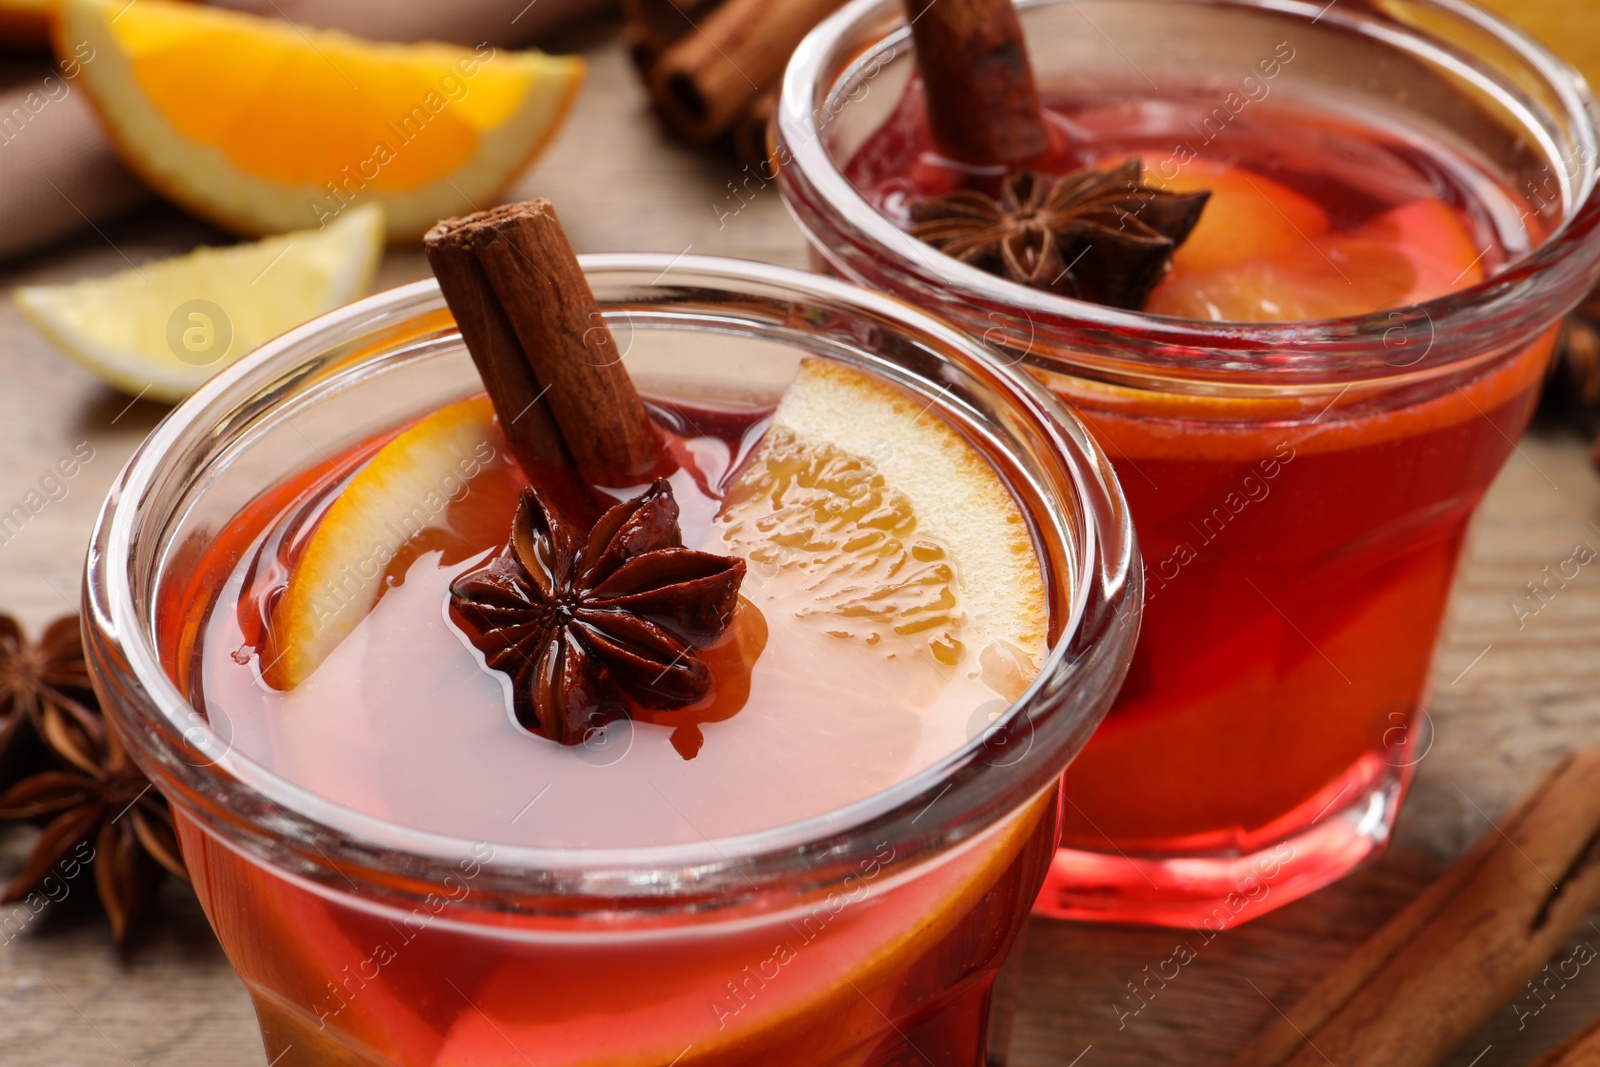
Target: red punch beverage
1296, 568
401, 723
1302, 421
822, 855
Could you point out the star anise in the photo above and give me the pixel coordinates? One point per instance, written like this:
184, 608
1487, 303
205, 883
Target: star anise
1097, 235
1572, 389
585, 625
99, 810
40, 684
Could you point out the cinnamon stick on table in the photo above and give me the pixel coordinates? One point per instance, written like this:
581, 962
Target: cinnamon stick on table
1582, 1049
749, 133
983, 105
548, 359
652, 25
1461, 950
703, 80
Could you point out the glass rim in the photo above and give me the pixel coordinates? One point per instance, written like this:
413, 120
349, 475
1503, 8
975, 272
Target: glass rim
807, 174
122, 632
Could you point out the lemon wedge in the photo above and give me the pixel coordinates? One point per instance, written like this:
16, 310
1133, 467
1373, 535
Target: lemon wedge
162, 328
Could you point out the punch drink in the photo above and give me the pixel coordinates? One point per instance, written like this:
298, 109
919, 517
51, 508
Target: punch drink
1303, 415
823, 858
811, 711
1297, 563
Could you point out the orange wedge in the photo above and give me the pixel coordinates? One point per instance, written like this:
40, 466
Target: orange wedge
1247, 217
402, 492
1263, 253
1442, 254
262, 126
865, 512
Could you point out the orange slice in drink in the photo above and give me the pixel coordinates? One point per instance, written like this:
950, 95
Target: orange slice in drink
1443, 257
1263, 253
404, 491
867, 513
1248, 217
262, 126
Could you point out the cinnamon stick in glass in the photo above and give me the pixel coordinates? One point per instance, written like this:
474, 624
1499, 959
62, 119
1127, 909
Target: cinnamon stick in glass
983, 105
532, 325
518, 396
1464, 947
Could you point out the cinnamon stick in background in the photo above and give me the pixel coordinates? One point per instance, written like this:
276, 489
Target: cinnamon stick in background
983, 106
749, 133
652, 25
1582, 1049
1463, 948
705, 78
512, 267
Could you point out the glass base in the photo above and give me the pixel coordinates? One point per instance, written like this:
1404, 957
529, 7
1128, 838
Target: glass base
1215, 892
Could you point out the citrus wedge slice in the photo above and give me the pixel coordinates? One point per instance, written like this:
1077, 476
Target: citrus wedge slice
1262, 257
1248, 216
262, 126
866, 512
161, 329
402, 492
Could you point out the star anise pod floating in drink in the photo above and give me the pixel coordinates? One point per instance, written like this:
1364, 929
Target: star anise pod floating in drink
98, 810
43, 685
584, 625
1097, 235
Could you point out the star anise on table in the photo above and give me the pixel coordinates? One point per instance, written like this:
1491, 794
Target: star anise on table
1097, 235
1572, 389
98, 809
40, 682
583, 625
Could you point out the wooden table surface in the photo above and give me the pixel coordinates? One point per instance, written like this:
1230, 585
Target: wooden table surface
1511, 699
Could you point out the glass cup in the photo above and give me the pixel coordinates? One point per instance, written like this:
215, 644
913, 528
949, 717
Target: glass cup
1301, 489
850, 938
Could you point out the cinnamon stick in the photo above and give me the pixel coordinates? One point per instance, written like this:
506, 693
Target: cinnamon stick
519, 398
652, 25
703, 80
1582, 1049
532, 325
983, 106
1464, 947
749, 133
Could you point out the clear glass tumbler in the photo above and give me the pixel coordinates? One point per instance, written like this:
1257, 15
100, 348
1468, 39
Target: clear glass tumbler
1301, 489
851, 938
